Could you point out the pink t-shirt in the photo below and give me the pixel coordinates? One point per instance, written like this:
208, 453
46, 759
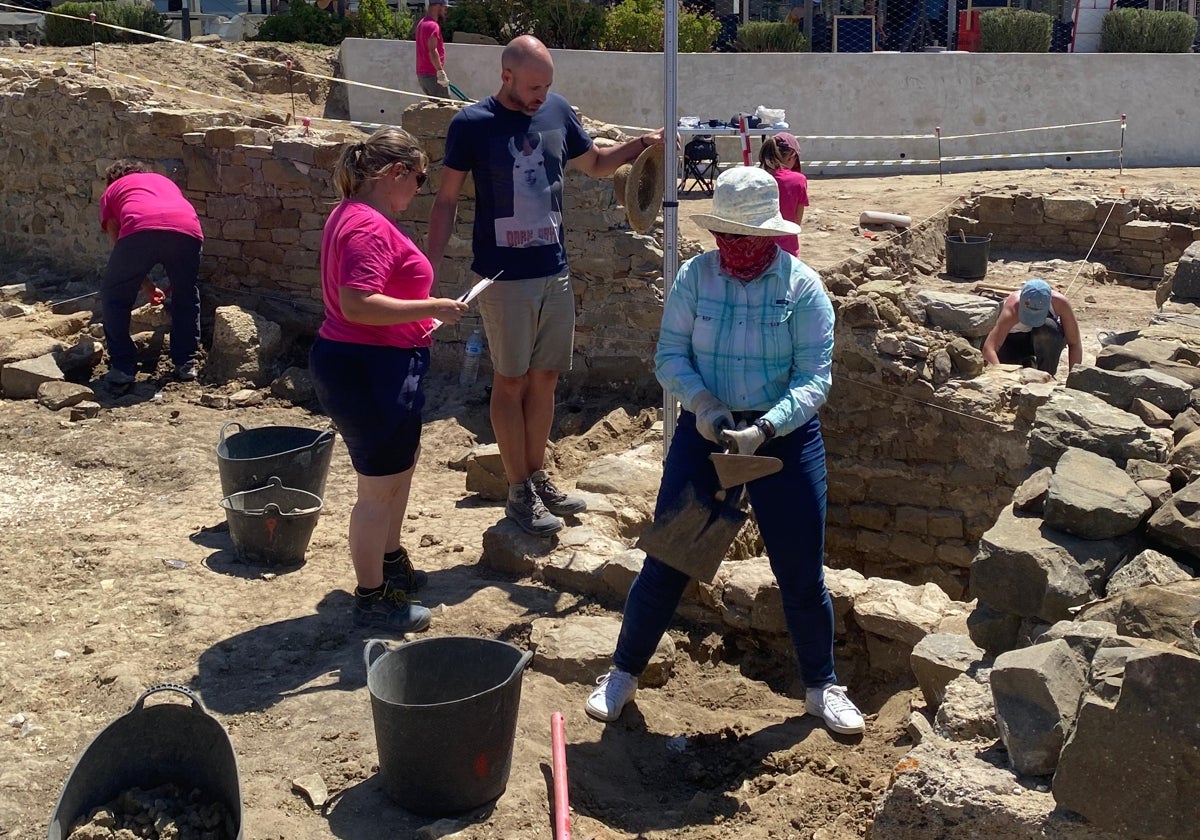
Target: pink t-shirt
148, 201
426, 29
362, 249
793, 194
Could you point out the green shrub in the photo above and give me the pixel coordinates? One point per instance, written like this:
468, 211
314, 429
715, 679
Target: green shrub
63, 32
567, 24
634, 26
1142, 30
499, 19
637, 26
376, 20
698, 31
305, 23
1014, 31
766, 36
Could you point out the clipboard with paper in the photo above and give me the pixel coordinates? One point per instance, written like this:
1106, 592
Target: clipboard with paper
467, 296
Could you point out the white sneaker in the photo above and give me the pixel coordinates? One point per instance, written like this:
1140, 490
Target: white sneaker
831, 703
613, 691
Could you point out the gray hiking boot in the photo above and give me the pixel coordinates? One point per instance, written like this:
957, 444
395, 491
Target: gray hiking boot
526, 508
556, 501
398, 571
390, 609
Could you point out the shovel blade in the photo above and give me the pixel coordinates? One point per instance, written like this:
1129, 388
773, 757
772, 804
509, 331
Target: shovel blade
695, 536
733, 470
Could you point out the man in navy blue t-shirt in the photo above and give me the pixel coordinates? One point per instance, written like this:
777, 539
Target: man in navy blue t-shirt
516, 145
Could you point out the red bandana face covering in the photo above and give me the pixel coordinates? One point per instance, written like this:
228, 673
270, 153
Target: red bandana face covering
745, 257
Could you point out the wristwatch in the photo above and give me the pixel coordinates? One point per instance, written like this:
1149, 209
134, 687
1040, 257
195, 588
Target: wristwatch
764, 425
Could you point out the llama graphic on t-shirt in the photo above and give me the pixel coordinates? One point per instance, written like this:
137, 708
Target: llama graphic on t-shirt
534, 221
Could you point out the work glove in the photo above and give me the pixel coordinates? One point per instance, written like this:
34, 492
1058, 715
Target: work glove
442, 79
744, 441
712, 416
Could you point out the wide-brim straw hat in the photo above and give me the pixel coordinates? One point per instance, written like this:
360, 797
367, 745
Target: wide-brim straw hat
746, 202
640, 188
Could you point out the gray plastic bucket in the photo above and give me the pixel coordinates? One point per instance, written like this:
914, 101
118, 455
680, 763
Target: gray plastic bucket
967, 259
272, 525
445, 712
147, 747
299, 457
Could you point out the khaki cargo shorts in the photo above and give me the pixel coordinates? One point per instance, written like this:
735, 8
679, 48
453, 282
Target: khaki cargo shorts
530, 324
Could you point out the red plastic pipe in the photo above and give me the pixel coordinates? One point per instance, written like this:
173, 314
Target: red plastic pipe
558, 748
745, 139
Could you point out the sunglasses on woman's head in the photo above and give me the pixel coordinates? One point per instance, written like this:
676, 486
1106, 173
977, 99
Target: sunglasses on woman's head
422, 177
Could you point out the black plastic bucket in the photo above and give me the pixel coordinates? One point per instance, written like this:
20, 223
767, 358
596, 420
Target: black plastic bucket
967, 259
272, 525
299, 457
147, 747
445, 712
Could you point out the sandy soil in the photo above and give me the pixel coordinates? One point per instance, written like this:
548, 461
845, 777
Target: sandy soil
91, 614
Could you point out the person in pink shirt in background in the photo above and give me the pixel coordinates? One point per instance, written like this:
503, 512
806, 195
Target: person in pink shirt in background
431, 51
149, 223
370, 357
780, 155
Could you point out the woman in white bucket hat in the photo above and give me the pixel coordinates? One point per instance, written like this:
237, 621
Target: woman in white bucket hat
747, 344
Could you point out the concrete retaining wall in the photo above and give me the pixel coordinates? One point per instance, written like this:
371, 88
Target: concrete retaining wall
860, 94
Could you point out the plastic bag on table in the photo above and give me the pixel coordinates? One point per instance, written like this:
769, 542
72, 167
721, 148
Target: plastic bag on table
770, 116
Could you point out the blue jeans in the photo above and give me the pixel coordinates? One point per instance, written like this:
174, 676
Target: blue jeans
132, 258
790, 509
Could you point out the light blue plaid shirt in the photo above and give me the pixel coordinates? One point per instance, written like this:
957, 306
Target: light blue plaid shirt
766, 345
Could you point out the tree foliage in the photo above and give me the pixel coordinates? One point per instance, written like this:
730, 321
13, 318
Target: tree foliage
64, 32
762, 36
376, 20
1015, 31
305, 23
1143, 30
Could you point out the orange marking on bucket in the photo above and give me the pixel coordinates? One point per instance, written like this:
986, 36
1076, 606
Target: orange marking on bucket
271, 523
481, 765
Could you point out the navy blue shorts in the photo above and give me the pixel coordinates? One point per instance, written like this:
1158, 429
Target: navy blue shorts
374, 394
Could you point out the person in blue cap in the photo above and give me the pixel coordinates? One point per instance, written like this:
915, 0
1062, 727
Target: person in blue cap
1034, 325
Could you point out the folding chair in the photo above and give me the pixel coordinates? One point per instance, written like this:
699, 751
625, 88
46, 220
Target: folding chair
700, 164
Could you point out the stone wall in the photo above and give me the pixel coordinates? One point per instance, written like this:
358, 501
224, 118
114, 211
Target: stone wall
1140, 236
263, 192
922, 450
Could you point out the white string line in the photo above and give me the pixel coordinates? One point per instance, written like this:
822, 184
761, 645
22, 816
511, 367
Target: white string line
1020, 130
950, 158
921, 402
912, 136
1112, 205
222, 51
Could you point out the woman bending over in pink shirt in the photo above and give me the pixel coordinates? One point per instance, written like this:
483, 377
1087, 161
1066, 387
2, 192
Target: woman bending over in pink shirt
149, 222
370, 357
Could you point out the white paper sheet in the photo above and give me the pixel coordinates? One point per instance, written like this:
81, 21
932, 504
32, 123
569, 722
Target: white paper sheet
468, 296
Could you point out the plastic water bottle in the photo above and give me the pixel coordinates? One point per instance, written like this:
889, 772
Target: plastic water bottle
470, 363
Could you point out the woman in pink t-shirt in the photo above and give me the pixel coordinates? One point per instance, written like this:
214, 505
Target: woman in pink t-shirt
369, 359
780, 155
150, 223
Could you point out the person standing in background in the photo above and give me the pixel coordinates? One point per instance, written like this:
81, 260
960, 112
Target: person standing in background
516, 145
370, 358
149, 222
780, 155
431, 51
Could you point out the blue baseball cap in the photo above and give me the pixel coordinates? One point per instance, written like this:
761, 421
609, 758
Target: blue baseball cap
1034, 306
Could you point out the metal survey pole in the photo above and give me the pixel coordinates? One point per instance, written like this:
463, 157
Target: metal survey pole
1121, 153
670, 186
185, 22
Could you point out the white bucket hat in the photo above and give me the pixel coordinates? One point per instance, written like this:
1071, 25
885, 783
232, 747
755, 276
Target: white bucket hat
746, 202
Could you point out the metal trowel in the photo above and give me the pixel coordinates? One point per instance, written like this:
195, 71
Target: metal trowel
733, 470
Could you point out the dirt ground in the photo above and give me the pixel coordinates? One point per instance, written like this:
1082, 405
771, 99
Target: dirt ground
91, 613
